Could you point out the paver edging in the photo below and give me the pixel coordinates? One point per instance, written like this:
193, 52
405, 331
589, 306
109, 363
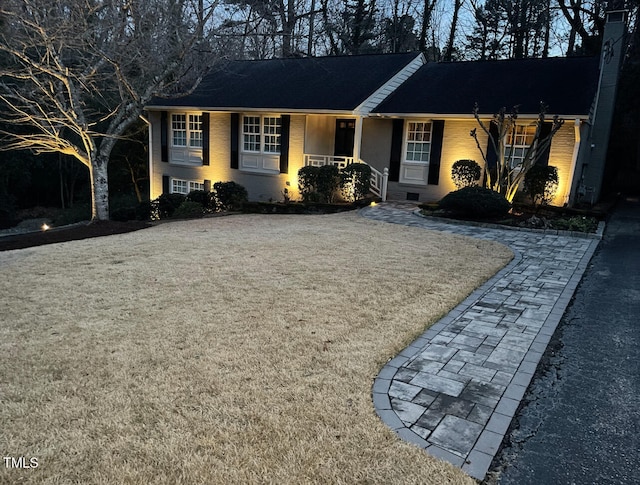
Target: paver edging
479, 458
383, 380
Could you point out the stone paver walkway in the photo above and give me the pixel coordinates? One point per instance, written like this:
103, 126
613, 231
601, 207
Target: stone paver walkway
455, 390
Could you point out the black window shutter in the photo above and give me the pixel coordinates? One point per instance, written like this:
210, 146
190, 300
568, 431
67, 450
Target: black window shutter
285, 124
165, 184
205, 139
492, 156
545, 129
396, 150
235, 139
437, 130
164, 136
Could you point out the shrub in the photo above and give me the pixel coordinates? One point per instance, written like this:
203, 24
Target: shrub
308, 183
355, 181
206, 199
475, 202
465, 173
230, 195
541, 183
328, 182
189, 210
576, 223
164, 206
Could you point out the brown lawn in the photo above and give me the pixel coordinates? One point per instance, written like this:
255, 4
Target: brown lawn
227, 350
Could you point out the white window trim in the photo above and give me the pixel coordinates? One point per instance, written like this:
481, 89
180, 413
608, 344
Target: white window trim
191, 185
414, 172
185, 154
508, 147
405, 145
262, 134
260, 161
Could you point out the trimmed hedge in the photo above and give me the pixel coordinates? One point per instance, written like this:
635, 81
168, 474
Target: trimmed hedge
189, 210
541, 183
465, 173
355, 181
320, 184
475, 202
164, 206
206, 199
230, 195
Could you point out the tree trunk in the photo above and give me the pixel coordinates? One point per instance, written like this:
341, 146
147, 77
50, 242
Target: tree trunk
448, 51
312, 17
99, 188
426, 20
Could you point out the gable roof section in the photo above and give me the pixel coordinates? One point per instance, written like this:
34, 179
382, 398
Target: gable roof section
566, 85
339, 83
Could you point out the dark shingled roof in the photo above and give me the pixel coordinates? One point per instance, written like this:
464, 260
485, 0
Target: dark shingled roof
566, 85
322, 83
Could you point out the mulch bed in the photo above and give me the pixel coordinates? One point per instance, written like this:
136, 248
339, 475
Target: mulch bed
73, 233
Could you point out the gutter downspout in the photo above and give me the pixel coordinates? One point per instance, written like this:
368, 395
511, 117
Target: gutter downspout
571, 193
149, 127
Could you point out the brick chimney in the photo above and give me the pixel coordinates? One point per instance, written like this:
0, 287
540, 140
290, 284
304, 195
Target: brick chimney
594, 154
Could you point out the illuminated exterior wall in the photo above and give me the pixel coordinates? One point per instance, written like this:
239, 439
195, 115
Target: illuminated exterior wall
457, 144
316, 134
259, 186
376, 142
320, 135
560, 156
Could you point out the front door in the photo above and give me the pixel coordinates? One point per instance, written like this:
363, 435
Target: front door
345, 134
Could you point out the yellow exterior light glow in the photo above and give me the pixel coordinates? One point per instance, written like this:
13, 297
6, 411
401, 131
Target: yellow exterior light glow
45, 227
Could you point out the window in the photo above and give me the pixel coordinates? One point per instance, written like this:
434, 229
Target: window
418, 141
518, 142
186, 128
261, 134
185, 186
195, 131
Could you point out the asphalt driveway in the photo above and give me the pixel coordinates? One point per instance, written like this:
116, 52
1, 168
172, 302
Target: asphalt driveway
580, 417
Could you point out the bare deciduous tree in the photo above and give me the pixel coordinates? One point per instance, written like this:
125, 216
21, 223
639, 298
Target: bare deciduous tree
77, 74
508, 172
448, 49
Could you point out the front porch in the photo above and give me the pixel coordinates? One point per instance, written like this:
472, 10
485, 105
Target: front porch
379, 180
337, 140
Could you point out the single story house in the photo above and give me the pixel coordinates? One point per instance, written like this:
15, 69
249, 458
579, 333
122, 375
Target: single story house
258, 122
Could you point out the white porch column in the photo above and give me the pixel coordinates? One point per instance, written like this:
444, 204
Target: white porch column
357, 139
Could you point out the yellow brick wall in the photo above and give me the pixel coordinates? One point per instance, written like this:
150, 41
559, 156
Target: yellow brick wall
457, 144
560, 156
260, 186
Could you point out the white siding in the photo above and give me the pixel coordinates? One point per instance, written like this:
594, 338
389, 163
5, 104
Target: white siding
390, 86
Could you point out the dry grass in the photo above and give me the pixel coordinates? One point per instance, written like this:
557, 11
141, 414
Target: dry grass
227, 350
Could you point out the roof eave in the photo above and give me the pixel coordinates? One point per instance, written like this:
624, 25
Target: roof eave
471, 116
242, 109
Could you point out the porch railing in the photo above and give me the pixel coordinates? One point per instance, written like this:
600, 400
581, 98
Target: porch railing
379, 179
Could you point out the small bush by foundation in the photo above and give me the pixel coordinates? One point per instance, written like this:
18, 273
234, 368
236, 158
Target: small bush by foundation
475, 202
